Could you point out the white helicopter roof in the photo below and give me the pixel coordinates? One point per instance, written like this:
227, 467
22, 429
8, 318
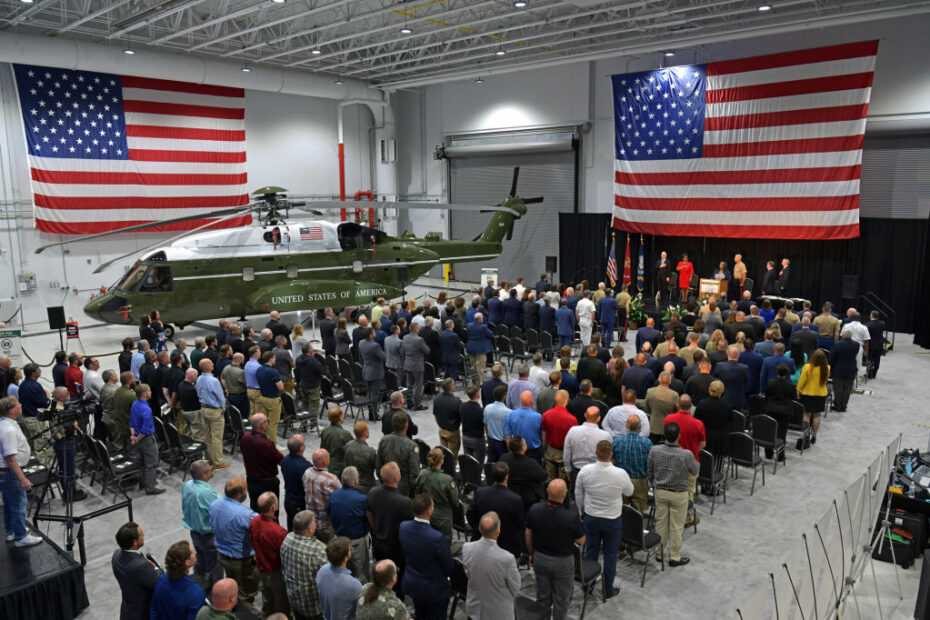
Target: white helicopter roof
302, 237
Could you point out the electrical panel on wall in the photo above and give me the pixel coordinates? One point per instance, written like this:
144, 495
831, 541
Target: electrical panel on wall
388, 149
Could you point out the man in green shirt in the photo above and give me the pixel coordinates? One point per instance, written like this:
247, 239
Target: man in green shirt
334, 439
123, 399
224, 598
196, 497
197, 354
362, 456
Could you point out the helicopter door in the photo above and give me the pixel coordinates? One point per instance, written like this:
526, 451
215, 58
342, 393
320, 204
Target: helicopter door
157, 280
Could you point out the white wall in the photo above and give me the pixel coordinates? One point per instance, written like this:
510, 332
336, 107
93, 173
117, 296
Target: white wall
291, 142
572, 93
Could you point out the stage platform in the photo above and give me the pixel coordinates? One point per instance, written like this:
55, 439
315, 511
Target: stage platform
40, 582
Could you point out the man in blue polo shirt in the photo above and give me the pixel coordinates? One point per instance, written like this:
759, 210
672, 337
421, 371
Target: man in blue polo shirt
32, 396
528, 423
142, 438
196, 497
348, 509
251, 367
212, 403
270, 386
496, 415
230, 521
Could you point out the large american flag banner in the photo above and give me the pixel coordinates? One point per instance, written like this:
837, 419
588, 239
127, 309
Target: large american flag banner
107, 151
762, 147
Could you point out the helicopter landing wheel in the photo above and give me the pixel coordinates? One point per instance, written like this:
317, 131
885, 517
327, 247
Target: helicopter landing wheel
169, 331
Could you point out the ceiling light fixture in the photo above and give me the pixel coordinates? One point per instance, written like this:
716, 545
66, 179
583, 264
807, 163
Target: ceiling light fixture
279, 1
338, 82
669, 54
479, 80
246, 69
129, 51
520, 4
406, 29
316, 52
26, 1
500, 52
765, 7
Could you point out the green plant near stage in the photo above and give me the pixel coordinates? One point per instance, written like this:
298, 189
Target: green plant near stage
667, 313
637, 310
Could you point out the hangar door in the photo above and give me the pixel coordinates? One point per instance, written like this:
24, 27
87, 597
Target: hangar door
486, 180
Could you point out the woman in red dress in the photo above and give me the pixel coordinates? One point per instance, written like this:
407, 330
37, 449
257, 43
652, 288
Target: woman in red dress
685, 271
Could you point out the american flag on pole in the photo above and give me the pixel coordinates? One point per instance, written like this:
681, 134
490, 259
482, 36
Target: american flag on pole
108, 151
312, 233
762, 147
612, 262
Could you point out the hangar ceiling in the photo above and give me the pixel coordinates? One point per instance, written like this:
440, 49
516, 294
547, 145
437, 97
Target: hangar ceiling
396, 44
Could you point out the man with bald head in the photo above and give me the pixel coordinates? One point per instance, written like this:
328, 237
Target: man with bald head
692, 437
267, 535
552, 530
261, 458
581, 442
230, 521
387, 508
319, 484
196, 498
278, 328
556, 423
212, 403
631, 454
302, 556
735, 377
493, 578
661, 400
648, 333
223, 600
190, 405
638, 377
527, 422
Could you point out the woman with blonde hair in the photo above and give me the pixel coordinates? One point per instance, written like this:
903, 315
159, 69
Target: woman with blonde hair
441, 488
712, 343
812, 389
298, 339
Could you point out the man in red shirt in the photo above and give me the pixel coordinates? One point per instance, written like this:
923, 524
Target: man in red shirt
555, 425
74, 374
267, 537
261, 458
692, 436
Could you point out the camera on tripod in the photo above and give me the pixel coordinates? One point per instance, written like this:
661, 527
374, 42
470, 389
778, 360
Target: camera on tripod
74, 410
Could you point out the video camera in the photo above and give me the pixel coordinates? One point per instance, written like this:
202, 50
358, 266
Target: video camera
65, 414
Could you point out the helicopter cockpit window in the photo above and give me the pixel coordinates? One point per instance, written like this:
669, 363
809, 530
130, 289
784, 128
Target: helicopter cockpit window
157, 280
353, 236
273, 235
132, 278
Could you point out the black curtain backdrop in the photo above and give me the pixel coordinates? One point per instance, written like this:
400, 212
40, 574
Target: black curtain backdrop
888, 258
922, 296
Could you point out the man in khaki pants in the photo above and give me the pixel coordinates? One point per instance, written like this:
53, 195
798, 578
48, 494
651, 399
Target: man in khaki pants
668, 468
251, 383
212, 403
270, 386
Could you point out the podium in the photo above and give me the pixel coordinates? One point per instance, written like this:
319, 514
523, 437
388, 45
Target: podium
712, 286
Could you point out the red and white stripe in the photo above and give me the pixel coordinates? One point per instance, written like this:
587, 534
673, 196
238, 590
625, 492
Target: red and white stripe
187, 154
782, 153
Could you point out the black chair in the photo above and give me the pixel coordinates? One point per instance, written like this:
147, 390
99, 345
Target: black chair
518, 352
743, 454
637, 538
291, 417
430, 382
487, 473
448, 461
351, 399
748, 284
588, 573
532, 340
185, 450
501, 330
115, 472
738, 421
239, 426
423, 450
358, 375
331, 366
547, 345
515, 332
504, 351
459, 583
765, 433
799, 424
470, 470
345, 368
711, 479
329, 395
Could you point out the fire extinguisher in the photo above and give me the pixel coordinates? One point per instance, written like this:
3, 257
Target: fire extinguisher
451, 275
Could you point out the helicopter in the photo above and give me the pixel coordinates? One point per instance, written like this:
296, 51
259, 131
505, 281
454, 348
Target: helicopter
277, 265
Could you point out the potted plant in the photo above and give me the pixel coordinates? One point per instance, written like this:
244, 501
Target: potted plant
637, 312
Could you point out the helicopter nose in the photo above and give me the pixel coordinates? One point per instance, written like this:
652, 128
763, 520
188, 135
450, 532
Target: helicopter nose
92, 308
109, 308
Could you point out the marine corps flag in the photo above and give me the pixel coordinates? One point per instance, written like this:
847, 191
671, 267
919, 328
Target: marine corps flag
627, 271
641, 268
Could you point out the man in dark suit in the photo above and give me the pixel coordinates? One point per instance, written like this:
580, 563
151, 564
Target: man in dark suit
507, 505
415, 353
547, 319
771, 364
782, 283
495, 310
431, 337
387, 509
591, 367
843, 368
768, 280
397, 405
487, 388
429, 562
735, 376
513, 310
275, 325
674, 358
752, 361
579, 404
450, 350
638, 377
531, 313
372, 356
743, 305
739, 325
135, 574
647, 333
328, 332
542, 285
876, 327
665, 278
807, 334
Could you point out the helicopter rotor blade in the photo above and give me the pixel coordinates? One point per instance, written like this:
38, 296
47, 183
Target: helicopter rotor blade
532, 201
513, 184
111, 262
350, 204
177, 220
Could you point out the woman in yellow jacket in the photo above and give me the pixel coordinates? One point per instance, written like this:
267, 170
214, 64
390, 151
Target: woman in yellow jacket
812, 388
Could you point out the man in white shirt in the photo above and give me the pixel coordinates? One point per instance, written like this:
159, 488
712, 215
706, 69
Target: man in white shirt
584, 311
599, 492
860, 334
538, 376
14, 448
93, 382
581, 442
615, 420
520, 288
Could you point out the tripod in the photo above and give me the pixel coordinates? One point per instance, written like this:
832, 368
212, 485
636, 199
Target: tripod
68, 480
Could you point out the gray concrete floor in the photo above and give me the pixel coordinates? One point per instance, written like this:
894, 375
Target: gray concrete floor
732, 553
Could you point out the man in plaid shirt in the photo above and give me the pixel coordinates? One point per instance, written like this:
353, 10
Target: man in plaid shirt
302, 555
319, 484
631, 453
667, 468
